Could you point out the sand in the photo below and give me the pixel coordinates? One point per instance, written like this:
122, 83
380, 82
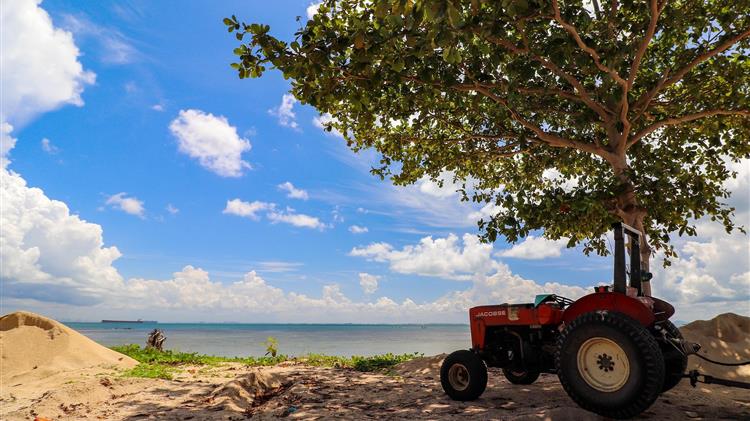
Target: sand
725, 338
410, 390
33, 346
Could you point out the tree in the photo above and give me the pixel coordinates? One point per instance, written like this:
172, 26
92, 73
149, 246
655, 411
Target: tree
567, 117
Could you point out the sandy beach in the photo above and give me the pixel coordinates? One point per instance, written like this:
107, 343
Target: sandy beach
61, 387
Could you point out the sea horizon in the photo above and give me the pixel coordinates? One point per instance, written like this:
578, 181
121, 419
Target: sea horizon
294, 339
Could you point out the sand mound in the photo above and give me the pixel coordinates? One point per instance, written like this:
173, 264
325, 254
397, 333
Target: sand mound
425, 366
724, 338
31, 344
248, 390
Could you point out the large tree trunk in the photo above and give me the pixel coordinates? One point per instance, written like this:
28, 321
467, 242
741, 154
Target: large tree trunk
628, 210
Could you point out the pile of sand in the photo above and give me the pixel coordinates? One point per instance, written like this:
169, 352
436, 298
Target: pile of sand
31, 344
248, 390
724, 338
425, 366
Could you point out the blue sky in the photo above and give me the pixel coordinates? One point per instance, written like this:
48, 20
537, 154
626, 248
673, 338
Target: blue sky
153, 150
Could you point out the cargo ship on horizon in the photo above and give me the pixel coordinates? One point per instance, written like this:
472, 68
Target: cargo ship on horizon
129, 321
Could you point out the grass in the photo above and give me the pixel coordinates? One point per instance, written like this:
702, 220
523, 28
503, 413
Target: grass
169, 357
164, 364
151, 371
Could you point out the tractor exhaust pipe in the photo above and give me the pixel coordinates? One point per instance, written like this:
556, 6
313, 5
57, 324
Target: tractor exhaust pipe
635, 258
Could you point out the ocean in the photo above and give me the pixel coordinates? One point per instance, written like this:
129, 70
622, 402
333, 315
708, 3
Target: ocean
239, 339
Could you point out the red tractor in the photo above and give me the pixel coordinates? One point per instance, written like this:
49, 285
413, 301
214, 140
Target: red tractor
615, 351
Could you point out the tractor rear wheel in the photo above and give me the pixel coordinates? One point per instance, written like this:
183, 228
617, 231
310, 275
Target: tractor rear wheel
675, 362
463, 376
609, 364
524, 376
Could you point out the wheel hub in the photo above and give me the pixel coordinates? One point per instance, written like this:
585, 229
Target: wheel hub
458, 377
603, 364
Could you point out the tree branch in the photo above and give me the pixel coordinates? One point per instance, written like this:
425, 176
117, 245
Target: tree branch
603, 112
655, 12
582, 45
548, 138
683, 119
642, 103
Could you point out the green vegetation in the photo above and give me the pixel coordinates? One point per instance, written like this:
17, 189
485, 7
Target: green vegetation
272, 346
151, 371
164, 364
169, 357
357, 362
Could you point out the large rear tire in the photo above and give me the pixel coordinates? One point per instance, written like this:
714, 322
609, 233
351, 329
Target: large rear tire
463, 376
609, 364
526, 376
675, 362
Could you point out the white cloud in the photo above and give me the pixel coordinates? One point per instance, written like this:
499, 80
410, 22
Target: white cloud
171, 209
47, 253
284, 112
711, 274
7, 142
356, 229
492, 281
48, 147
441, 257
312, 9
289, 216
126, 204
369, 283
57, 263
554, 176
322, 120
247, 209
534, 248
485, 213
433, 188
293, 192
131, 87
157, 107
276, 266
113, 46
212, 141
40, 70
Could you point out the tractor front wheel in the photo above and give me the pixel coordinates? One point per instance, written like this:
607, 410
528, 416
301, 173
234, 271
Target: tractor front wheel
524, 376
463, 376
609, 364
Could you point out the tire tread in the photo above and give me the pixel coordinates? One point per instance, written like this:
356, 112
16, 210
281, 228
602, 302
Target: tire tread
643, 340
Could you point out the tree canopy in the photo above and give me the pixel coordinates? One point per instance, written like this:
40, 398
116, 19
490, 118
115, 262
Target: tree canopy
566, 115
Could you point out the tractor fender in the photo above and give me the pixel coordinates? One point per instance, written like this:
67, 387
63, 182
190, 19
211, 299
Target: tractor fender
640, 308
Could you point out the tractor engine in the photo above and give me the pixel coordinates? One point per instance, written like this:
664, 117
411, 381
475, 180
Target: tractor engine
519, 338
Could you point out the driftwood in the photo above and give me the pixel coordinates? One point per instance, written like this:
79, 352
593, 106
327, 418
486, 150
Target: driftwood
156, 339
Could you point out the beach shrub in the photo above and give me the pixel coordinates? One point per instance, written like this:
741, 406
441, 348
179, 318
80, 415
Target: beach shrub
272, 346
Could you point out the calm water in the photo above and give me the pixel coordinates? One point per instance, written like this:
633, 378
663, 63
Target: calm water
294, 339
